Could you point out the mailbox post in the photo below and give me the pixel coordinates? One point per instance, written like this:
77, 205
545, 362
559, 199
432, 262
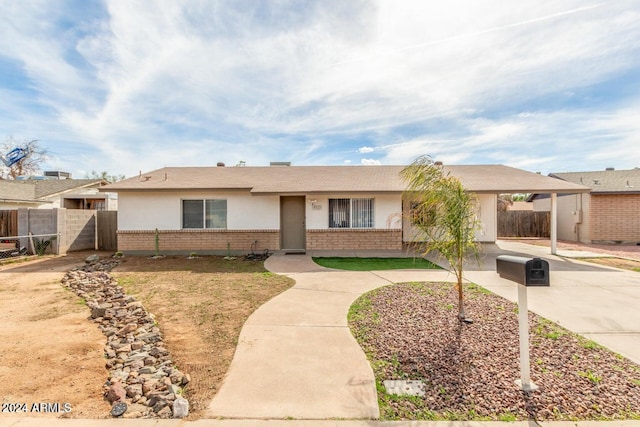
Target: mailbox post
526, 272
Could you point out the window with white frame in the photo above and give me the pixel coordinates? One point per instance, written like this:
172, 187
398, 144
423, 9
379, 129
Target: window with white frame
351, 213
210, 213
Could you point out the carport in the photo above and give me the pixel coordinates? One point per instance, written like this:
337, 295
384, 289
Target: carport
500, 179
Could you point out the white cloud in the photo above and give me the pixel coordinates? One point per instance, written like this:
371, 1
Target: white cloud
370, 162
364, 150
130, 87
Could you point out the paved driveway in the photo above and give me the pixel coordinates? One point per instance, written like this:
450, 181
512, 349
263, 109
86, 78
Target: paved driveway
601, 303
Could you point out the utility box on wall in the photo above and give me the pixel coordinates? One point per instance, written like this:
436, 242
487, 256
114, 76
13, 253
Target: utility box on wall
525, 271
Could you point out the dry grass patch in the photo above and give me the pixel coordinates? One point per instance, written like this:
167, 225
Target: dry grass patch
200, 305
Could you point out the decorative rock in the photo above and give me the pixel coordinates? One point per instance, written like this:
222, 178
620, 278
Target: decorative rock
116, 392
141, 373
97, 312
173, 389
92, 259
134, 390
186, 379
147, 370
180, 407
165, 412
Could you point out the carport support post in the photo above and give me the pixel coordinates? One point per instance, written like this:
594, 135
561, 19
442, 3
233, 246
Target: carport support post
523, 324
554, 223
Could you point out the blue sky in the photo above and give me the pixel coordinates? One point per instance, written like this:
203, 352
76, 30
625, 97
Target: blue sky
123, 86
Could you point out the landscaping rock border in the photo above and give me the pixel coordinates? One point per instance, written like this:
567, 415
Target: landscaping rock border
141, 372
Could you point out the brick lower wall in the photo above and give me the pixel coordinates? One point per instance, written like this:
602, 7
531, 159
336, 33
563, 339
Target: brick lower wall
615, 217
341, 238
200, 241
215, 241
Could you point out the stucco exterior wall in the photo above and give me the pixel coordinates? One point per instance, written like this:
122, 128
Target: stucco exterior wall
144, 211
387, 210
574, 216
615, 218
487, 213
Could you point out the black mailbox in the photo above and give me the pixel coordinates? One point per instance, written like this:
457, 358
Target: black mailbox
525, 271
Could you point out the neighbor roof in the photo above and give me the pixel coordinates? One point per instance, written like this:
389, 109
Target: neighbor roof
11, 191
606, 181
33, 191
335, 179
51, 187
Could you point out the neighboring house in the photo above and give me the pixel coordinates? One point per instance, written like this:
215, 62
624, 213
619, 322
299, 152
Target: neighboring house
50, 192
293, 208
610, 213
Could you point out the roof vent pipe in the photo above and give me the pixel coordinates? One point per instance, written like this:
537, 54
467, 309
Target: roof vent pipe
220, 164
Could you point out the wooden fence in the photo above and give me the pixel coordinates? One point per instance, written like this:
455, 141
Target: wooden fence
524, 224
8, 223
107, 227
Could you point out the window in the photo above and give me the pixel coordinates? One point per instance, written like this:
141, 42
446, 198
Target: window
351, 213
204, 214
421, 215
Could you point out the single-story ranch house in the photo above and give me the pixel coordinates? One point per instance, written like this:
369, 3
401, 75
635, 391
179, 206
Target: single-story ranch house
294, 208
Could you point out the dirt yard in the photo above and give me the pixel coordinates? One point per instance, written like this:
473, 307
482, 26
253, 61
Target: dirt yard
51, 351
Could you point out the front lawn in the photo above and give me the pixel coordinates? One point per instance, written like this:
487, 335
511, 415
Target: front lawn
371, 264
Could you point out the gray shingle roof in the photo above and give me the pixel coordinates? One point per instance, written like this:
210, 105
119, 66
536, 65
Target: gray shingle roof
335, 179
49, 187
15, 191
33, 191
606, 181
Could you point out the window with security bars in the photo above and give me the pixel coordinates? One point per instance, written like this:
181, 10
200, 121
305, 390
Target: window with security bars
351, 213
204, 213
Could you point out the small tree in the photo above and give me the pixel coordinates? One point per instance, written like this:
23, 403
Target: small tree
105, 176
29, 164
445, 215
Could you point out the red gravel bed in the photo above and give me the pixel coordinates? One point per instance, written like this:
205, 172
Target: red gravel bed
410, 331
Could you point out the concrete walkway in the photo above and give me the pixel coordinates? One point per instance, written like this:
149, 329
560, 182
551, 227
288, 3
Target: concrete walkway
296, 356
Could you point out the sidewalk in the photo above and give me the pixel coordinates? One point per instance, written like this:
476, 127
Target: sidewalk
37, 422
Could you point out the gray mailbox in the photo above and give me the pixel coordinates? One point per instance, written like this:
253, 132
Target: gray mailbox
525, 271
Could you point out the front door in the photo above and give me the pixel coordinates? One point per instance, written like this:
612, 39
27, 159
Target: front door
292, 224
